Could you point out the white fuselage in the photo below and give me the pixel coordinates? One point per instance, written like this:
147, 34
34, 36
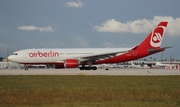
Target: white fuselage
59, 55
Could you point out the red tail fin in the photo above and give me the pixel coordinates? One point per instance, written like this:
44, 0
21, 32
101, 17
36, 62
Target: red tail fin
154, 39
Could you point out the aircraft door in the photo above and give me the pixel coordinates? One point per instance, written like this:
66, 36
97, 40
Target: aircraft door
134, 52
25, 55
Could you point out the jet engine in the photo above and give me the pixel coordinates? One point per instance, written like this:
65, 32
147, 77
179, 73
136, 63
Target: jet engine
71, 63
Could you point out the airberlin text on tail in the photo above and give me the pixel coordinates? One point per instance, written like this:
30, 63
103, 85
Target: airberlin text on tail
154, 39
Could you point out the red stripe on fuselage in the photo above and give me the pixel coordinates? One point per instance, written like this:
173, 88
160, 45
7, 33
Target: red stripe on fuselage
131, 55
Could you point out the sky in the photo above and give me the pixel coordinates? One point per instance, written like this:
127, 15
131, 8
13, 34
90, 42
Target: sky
86, 24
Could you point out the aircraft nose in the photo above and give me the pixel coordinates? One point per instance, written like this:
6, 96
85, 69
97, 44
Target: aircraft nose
10, 58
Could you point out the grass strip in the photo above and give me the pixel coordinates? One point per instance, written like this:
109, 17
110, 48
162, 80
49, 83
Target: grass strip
89, 91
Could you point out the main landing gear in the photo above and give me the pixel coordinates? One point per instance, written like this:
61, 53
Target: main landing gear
88, 68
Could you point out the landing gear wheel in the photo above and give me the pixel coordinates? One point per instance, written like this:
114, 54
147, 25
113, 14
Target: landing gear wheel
82, 68
107, 69
94, 68
88, 68
26, 68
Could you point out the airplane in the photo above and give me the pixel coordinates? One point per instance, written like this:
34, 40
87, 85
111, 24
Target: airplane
163, 65
140, 65
86, 58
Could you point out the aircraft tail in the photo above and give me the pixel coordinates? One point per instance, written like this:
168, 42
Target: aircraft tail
154, 39
132, 63
160, 64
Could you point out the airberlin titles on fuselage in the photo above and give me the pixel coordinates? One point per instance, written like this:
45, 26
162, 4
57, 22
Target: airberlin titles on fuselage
44, 54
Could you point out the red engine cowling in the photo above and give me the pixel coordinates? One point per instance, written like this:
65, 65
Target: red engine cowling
59, 65
71, 63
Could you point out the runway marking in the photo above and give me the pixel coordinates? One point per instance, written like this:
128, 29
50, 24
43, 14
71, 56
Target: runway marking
148, 72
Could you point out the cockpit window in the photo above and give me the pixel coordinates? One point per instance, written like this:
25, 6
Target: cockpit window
15, 54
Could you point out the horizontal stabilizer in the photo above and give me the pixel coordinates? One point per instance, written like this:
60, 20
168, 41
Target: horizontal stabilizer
152, 51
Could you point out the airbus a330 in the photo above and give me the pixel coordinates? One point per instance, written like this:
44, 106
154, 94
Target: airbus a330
87, 58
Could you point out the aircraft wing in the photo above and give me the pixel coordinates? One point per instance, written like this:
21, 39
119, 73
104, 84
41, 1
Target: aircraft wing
100, 56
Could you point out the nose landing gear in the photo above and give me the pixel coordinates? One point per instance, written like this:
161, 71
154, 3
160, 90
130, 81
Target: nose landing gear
26, 67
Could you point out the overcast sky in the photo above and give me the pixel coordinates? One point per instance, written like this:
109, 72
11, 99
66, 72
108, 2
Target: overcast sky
86, 24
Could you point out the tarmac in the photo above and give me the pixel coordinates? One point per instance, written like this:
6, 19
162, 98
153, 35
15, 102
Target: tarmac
113, 72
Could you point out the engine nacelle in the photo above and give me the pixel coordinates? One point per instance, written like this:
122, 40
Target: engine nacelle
71, 63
